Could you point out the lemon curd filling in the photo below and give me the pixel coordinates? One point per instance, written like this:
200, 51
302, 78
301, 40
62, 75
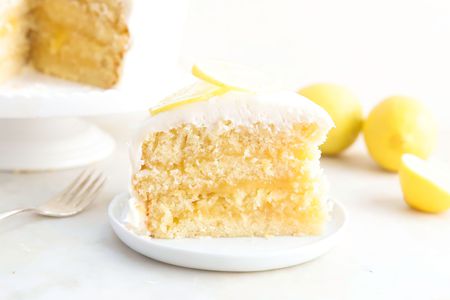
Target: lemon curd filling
228, 180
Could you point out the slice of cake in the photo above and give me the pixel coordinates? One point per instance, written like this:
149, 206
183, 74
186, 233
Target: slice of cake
238, 164
79, 40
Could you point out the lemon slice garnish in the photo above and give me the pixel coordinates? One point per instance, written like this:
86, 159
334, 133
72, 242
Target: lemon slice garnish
423, 185
233, 76
199, 91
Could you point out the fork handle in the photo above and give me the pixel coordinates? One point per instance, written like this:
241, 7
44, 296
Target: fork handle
13, 212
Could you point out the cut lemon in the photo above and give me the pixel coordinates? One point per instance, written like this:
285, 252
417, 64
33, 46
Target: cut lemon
199, 91
233, 76
424, 187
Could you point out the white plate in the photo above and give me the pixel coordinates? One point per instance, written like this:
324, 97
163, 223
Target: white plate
229, 254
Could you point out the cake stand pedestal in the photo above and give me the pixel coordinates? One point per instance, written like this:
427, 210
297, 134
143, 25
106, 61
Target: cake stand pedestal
51, 143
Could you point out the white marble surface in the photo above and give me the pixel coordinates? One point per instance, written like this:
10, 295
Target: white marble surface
388, 251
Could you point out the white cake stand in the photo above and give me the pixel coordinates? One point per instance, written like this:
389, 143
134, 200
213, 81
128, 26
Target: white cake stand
40, 124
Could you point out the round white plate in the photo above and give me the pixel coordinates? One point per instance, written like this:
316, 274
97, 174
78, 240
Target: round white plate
229, 254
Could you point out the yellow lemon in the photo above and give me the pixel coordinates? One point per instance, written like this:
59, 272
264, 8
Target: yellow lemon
199, 91
234, 76
396, 126
423, 186
345, 110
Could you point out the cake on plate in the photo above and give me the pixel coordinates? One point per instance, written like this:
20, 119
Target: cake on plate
79, 40
230, 163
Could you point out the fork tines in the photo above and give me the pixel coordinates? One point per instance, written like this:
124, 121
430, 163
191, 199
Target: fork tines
83, 189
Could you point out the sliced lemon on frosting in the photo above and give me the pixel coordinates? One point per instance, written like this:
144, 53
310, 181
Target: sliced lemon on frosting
424, 187
216, 78
199, 91
233, 76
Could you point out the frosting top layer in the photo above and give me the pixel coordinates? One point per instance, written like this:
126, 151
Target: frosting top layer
280, 108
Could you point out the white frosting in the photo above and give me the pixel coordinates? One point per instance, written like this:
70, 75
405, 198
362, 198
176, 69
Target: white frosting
281, 109
134, 219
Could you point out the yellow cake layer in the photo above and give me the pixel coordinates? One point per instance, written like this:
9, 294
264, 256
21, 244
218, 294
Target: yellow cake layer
61, 52
258, 212
102, 21
242, 181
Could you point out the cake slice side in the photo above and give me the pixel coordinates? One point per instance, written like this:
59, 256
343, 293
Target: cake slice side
248, 167
83, 41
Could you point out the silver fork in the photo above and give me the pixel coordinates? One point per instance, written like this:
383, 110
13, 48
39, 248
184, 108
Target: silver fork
72, 200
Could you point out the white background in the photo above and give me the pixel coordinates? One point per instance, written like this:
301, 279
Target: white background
376, 48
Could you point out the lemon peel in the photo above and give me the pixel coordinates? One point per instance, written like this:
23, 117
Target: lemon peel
199, 91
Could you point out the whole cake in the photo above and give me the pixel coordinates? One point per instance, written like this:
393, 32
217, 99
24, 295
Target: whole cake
78, 40
231, 164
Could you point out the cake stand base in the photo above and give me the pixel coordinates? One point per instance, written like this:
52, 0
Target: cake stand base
51, 143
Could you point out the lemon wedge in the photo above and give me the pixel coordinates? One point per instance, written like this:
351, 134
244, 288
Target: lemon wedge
423, 185
233, 76
199, 91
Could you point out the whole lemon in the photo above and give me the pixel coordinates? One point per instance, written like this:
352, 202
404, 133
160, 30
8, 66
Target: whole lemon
345, 110
396, 126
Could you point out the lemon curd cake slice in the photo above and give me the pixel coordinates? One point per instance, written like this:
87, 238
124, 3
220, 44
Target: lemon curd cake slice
237, 164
